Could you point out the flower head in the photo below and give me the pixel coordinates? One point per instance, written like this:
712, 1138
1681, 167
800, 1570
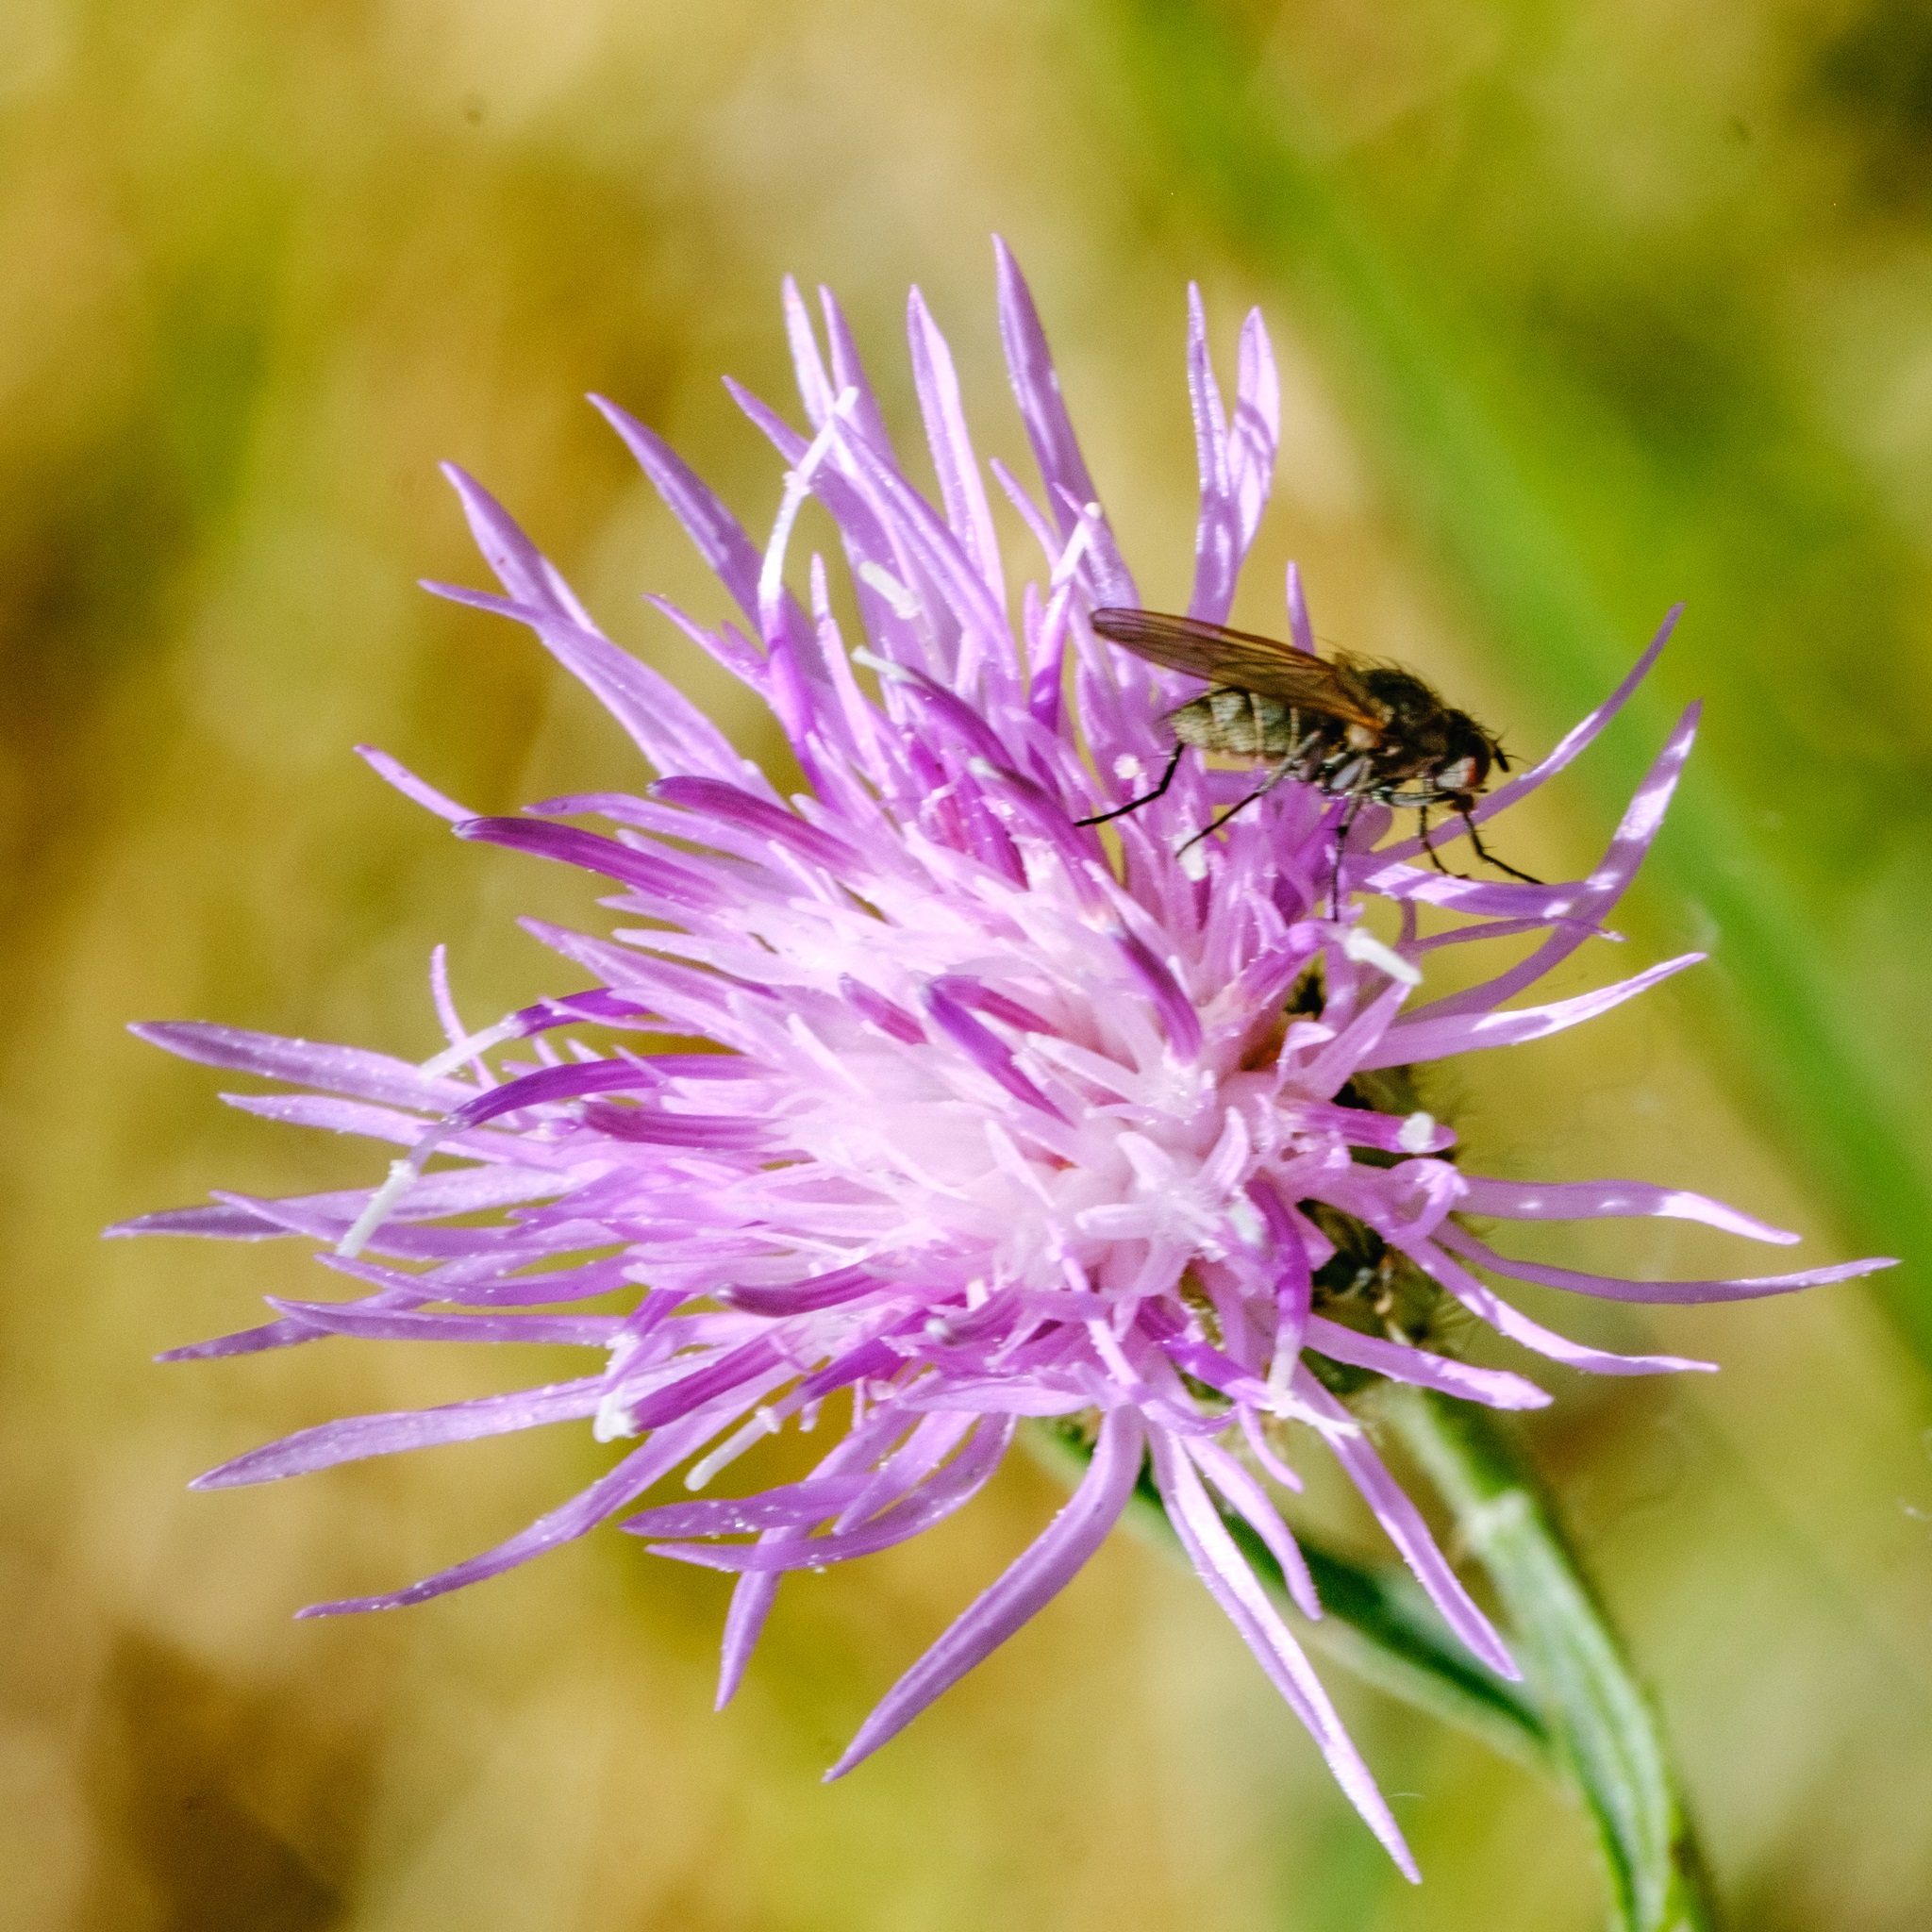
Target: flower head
920, 1107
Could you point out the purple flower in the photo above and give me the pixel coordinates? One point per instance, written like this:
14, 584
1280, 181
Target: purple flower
960, 1119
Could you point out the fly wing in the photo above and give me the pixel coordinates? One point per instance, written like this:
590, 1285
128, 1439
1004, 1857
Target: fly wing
1238, 659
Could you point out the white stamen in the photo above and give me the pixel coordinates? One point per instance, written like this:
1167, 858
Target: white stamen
612, 1419
892, 673
1245, 1218
1192, 859
798, 488
1366, 949
401, 1174
1076, 547
764, 1421
468, 1048
904, 603
1418, 1133
1280, 1373
1127, 766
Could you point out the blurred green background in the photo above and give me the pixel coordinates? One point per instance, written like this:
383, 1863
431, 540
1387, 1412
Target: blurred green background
1581, 309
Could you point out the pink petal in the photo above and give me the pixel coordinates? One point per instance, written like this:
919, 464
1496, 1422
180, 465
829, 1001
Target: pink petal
352, 1437
1642, 819
642, 1467
1406, 1529
951, 443
335, 1068
1601, 1199
1495, 1388
1033, 1581
1234, 1586
1610, 1289
1435, 1040
1485, 1303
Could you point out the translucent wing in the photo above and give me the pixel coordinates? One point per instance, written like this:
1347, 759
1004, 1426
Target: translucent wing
1236, 659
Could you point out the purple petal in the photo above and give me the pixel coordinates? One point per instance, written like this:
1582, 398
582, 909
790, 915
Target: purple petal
875, 1357
954, 1486
1033, 1581
753, 1595
412, 788
1484, 1303
1403, 1523
1300, 629
679, 887
995, 1004
1610, 1289
1176, 1010
806, 1297
1055, 449
334, 1069
1601, 1199
1496, 1388
986, 1050
355, 1437
414, 1324
1216, 537
551, 1084
1434, 1040
815, 389
665, 726
791, 1505
229, 1221
1642, 819
1236, 1588
705, 1385
1247, 1495
951, 443
708, 796
345, 1117
728, 552
848, 372
642, 1467
1256, 434
883, 1013
646, 1127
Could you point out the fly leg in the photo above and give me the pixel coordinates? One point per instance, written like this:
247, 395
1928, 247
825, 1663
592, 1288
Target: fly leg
1173, 765
1489, 857
1284, 769
1421, 813
1341, 832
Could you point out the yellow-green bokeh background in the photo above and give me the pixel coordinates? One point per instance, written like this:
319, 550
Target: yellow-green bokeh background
263, 267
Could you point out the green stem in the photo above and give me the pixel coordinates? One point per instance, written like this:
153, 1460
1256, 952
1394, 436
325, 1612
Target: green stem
1605, 1737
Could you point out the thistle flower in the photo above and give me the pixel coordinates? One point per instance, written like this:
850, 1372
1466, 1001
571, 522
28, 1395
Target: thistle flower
927, 1109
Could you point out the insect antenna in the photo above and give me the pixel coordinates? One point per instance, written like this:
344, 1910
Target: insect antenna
1146, 798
